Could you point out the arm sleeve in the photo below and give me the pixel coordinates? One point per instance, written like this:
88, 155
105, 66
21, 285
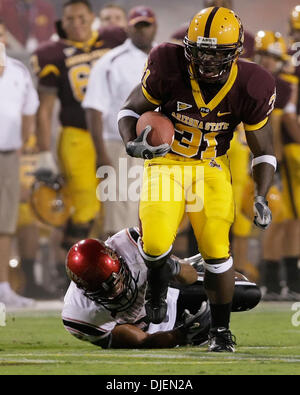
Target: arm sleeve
99, 90
152, 83
31, 100
283, 96
259, 101
87, 332
45, 65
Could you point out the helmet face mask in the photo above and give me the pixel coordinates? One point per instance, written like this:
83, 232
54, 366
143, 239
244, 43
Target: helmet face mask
118, 292
210, 64
269, 61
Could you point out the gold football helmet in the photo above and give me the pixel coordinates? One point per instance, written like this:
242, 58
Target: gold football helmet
213, 42
295, 18
274, 199
50, 201
272, 43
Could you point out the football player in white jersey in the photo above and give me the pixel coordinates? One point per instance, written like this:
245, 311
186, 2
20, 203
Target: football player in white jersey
105, 301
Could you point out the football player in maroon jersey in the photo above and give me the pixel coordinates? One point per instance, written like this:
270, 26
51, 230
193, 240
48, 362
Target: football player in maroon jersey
63, 70
206, 92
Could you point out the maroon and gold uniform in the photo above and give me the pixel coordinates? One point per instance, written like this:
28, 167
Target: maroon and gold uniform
205, 117
291, 161
63, 68
240, 162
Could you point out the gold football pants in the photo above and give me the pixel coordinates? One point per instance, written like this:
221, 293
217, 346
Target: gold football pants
239, 156
174, 185
291, 181
77, 158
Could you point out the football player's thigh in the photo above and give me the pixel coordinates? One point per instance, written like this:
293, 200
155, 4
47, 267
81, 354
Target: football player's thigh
239, 163
239, 160
212, 225
161, 210
242, 226
78, 162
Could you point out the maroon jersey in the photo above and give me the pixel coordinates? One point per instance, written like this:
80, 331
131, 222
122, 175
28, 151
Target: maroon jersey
283, 93
64, 67
283, 97
205, 116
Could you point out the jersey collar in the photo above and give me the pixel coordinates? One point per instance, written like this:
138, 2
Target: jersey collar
84, 45
199, 100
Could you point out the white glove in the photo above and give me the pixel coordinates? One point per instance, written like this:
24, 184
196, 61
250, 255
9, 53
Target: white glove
46, 162
140, 148
262, 213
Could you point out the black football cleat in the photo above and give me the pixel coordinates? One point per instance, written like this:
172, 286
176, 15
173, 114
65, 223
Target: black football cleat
221, 340
156, 313
156, 295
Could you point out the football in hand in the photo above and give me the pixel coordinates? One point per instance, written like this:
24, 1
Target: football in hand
162, 128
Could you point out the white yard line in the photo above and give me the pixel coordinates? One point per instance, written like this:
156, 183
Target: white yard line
112, 358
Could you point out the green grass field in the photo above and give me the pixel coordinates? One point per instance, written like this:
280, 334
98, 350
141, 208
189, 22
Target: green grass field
36, 343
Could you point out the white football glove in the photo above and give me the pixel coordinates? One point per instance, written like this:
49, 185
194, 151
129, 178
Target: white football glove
262, 213
140, 148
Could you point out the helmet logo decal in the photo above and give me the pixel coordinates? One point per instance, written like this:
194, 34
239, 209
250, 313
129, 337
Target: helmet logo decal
211, 42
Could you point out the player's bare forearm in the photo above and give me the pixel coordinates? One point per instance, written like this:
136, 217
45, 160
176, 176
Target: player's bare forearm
187, 274
137, 103
129, 336
261, 144
94, 121
44, 120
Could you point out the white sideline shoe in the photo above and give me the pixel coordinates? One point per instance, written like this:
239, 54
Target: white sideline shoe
12, 300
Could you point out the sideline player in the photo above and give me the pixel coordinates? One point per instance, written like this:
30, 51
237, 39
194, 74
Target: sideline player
271, 53
63, 69
291, 172
206, 93
105, 301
